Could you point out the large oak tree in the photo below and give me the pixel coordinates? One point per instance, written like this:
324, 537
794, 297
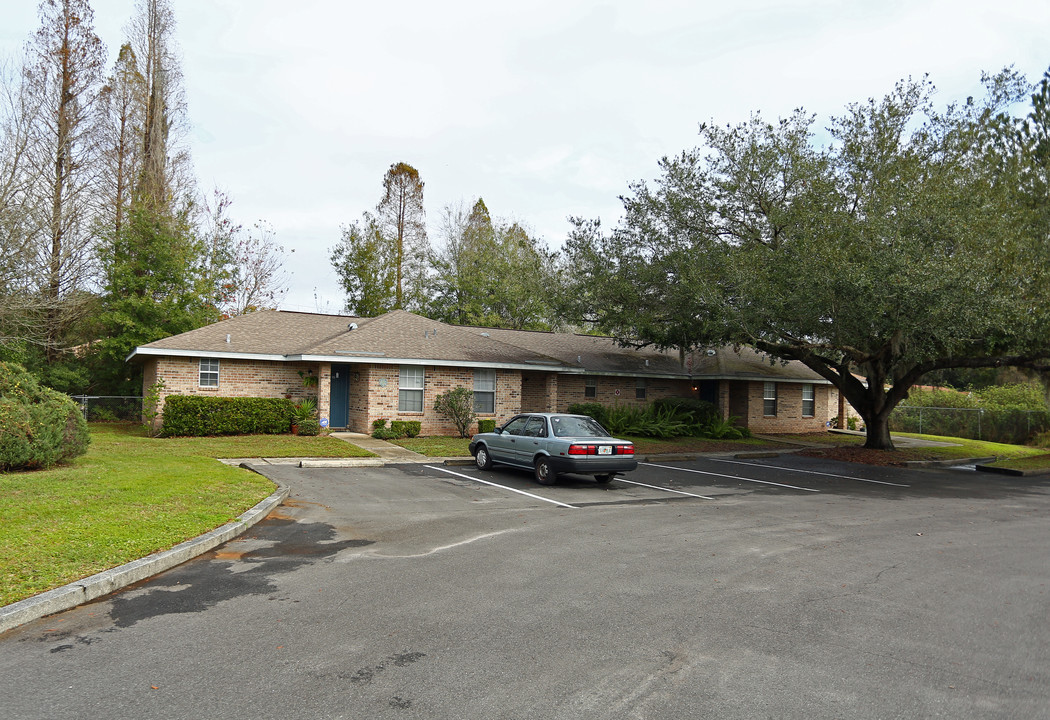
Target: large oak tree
914, 239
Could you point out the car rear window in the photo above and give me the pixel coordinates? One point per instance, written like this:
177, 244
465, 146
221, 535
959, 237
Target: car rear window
577, 427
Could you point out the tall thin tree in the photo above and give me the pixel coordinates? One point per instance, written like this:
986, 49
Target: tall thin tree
121, 137
402, 221
64, 70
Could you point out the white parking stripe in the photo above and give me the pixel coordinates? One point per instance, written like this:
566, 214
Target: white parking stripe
731, 477
657, 487
808, 472
504, 487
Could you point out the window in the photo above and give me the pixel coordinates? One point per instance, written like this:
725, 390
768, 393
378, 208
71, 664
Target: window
639, 389
536, 427
410, 389
590, 387
809, 405
769, 398
516, 426
485, 391
209, 373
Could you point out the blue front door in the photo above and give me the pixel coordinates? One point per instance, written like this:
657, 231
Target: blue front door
340, 399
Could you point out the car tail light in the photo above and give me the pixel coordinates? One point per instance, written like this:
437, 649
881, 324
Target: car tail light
593, 450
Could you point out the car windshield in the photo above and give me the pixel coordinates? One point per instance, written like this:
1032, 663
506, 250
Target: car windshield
569, 426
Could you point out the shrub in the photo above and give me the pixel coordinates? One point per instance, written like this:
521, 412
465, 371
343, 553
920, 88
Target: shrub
303, 411
458, 406
718, 428
193, 415
645, 421
595, 410
406, 428
1017, 396
309, 426
102, 414
39, 427
487, 425
691, 410
381, 432
384, 433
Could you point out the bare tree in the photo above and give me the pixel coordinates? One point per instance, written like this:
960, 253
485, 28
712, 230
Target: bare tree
260, 280
19, 109
63, 69
243, 269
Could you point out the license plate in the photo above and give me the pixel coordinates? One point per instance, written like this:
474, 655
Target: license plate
605, 450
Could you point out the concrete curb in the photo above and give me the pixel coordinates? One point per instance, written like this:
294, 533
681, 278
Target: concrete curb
107, 581
946, 463
1014, 472
343, 462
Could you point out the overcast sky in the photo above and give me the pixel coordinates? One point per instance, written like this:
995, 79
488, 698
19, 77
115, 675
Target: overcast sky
545, 109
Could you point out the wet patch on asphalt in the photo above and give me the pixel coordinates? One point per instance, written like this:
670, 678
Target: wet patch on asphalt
278, 546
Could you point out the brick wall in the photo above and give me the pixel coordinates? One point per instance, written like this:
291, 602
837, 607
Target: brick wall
237, 378
618, 390
539, 392
374, 395
374, 392
789, 417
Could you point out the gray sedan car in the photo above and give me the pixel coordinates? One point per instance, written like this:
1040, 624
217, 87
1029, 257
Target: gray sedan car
553, 443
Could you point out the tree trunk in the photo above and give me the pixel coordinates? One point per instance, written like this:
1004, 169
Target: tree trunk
878, 429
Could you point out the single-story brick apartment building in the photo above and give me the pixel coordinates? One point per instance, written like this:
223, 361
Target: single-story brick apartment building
395, 365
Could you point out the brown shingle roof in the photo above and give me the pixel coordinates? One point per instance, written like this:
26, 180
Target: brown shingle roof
266, 332
400, 335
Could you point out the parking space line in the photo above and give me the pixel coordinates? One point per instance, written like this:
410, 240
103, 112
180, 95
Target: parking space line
808, 472
657, 487
731, 477
504, 487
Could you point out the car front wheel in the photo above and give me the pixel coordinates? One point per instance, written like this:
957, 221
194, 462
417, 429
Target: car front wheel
482, 458
545, 474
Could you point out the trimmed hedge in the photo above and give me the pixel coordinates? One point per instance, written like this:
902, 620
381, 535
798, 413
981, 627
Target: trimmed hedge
194, 415
486, 425
39, 427
406, 428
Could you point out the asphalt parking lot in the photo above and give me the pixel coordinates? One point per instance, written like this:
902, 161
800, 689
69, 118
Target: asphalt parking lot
780, 587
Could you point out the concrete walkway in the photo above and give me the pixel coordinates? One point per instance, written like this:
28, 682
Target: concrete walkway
387, 451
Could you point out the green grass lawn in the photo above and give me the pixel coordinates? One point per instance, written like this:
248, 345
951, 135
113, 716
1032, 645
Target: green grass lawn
436, 446
980, 448
129, 496
1031, 462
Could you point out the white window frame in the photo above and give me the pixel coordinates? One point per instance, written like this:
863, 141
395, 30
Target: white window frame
208, 372
769, 395
410, 383
640, 388
484, 391
809, 398
590, 388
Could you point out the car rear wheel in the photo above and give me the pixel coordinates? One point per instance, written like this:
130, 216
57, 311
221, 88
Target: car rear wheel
605, 477
545, 474
482, 458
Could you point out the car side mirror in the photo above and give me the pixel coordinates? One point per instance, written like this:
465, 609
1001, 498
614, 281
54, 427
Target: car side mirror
498, 431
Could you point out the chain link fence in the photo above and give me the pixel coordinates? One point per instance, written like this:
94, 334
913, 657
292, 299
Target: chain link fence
110, 408
1006, 426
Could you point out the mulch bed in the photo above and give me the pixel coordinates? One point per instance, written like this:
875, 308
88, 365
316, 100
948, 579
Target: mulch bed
866, 456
